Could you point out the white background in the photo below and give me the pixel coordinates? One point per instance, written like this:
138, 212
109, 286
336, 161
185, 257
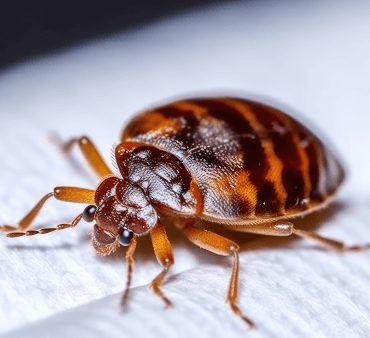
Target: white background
312, 57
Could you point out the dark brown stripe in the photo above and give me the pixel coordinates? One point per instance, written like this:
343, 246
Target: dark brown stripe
254, 158
316, 153
316, 193
268, 200
285, 148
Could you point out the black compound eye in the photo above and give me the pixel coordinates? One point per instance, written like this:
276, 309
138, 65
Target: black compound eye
126, 237
89, 213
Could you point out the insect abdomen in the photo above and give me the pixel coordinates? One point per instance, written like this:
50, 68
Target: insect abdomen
250, 160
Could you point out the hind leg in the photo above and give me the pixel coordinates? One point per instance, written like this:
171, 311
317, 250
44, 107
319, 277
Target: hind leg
285, 228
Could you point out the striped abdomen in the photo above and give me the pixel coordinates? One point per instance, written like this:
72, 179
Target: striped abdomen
251, 161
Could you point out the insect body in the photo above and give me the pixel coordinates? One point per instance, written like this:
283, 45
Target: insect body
240, 163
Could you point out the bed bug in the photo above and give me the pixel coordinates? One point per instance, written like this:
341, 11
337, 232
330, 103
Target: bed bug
235, 162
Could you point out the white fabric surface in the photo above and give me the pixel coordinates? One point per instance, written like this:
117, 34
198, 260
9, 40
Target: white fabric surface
310, 56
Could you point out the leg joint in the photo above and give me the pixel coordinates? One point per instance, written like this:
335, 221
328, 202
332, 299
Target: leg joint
234, 247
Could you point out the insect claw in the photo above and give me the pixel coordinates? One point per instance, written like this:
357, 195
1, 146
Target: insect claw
239, 313
357, 248
124, 301
251, 325
168, 304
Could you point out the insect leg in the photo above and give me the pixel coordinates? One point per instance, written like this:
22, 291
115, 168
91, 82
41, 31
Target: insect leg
281, 228
130, 267
285, 228
88, 150
224, 247
67, 194
329, 243
163, 252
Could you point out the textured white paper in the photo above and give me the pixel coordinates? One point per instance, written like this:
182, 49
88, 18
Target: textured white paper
311, 58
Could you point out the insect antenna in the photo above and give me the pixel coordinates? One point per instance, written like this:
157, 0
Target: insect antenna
43, 231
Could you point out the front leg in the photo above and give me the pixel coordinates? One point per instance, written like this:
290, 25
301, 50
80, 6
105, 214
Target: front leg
163, 252
88, 150
130, 266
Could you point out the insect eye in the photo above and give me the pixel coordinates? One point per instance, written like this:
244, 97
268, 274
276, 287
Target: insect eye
126, 237
89, 213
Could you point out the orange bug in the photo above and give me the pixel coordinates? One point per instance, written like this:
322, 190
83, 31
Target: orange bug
231, 161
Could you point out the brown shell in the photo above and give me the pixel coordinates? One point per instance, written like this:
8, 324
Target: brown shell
252, 162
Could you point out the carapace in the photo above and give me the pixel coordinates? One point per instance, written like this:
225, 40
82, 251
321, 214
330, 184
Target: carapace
239, 163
